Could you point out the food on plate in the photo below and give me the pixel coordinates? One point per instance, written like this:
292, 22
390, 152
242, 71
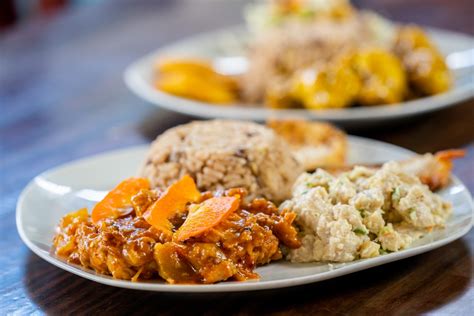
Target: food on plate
369, 76
332, 85
362, 213
427, 72
314, 144
334, 60
178, 234
195, 79
382, 75
320, 54
223, 154
215, 199
432, 170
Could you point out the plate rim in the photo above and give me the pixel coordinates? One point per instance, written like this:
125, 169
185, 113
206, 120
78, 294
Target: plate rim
237, 286
134, 81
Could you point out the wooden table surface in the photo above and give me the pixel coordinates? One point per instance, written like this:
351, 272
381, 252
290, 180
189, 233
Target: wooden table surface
62, 97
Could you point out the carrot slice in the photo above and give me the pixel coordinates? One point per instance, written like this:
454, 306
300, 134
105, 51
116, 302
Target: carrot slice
172, 201
118, 201
209, 213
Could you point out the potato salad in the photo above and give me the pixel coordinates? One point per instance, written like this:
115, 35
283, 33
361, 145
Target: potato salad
362, 213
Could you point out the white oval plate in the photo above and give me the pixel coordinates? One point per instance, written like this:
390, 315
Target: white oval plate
81, 183
233, 41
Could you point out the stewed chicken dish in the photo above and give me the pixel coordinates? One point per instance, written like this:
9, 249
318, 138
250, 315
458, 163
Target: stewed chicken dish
180, 234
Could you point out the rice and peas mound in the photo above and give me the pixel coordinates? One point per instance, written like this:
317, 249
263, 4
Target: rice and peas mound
224, 154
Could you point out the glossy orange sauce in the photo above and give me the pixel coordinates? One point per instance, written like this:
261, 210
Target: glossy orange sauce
130, 248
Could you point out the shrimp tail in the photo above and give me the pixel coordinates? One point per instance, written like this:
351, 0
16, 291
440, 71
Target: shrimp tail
449, 155
432, 170
437, 176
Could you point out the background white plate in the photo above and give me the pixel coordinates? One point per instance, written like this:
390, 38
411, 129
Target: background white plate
233, 41
81, 183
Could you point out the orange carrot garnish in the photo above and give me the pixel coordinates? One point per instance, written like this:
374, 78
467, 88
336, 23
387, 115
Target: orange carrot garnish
172, 201
118, 201
207, 215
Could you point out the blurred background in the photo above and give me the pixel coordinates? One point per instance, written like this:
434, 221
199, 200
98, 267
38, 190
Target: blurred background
440, 12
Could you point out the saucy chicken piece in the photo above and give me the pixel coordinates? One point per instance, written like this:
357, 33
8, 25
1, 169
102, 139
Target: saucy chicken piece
120, 247
427, 71
64, 241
